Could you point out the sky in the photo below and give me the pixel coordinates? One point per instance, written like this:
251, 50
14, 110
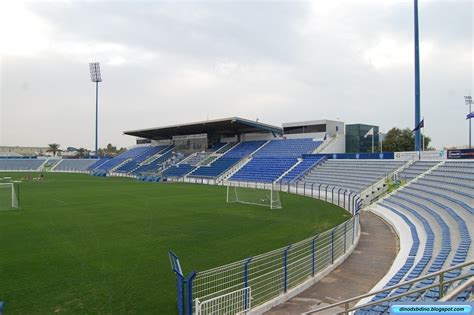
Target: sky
169, 62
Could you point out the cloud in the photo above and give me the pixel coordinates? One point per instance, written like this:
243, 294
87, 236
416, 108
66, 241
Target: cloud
172, 62
22, 32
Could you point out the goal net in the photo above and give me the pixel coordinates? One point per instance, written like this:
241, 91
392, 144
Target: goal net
9, 196
267, 197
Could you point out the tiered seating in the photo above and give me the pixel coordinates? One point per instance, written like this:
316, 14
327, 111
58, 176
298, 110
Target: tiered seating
355, 175
264, 169
229, 159
150, 152
119, 159
305, 165
74, 164
98, 163
217, 146
274, 159
216, 168
226, 147
417, 168
20, 164
288, 147
154, 165
209, 160
178, 170
445, 211
52, 162
133, 163
112, 163
196, 158
401, 273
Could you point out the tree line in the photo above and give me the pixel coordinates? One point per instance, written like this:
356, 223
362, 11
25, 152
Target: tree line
109, 150
400, 140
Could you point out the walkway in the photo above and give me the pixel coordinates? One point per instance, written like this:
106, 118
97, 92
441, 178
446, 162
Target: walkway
369, 262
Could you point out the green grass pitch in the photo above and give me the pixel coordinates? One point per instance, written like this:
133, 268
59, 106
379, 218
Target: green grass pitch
90, 245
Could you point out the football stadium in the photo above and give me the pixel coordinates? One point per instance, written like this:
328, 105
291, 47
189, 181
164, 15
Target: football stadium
208, 197
233, 215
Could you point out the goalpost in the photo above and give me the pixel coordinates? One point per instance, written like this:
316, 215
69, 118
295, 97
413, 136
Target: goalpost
9, 196
267, 197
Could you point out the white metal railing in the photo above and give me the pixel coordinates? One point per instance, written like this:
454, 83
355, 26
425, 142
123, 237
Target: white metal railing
236, 302
272, 274
412, 181
259, 148
371, 191
298, 162
303, 173
460, 289
233, 169
120, 164
325, 144
442, 281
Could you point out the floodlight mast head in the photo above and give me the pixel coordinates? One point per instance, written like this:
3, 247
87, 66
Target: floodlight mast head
468, 99
94, 68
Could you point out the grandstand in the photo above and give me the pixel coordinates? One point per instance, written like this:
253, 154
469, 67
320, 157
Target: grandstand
301, 168
432, 210
274, 159
74, 164
355, 175
125, 159
21, 164
438, 207
430, 205
228, 159
417, 168
295, 217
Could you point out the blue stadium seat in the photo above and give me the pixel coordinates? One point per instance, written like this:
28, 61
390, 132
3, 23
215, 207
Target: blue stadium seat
20, 164
178, 170
75, 164
275, 158
232, 157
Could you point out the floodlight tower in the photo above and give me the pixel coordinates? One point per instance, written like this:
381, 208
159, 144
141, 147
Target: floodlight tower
94, 68
468, 100
417, 81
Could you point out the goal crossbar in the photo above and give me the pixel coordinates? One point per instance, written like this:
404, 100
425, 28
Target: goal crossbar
267, 197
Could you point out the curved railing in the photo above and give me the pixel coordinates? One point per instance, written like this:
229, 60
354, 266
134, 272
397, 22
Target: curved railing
442, 280
260, 282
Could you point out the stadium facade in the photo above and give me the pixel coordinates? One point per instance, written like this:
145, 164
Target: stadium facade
237, 129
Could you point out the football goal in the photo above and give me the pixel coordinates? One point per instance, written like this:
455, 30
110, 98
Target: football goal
9, 196
267, 197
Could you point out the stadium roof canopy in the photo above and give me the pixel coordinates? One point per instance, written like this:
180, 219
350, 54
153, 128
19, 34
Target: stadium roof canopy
222, 127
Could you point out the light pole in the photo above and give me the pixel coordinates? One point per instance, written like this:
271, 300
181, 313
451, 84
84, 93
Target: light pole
381, 136
468, 100
94, 68
373, 135
417, 80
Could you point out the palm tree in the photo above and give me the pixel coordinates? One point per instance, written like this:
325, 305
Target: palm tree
81, 152
111, 149
54, 148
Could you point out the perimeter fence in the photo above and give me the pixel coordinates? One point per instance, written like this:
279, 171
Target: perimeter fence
254, 281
